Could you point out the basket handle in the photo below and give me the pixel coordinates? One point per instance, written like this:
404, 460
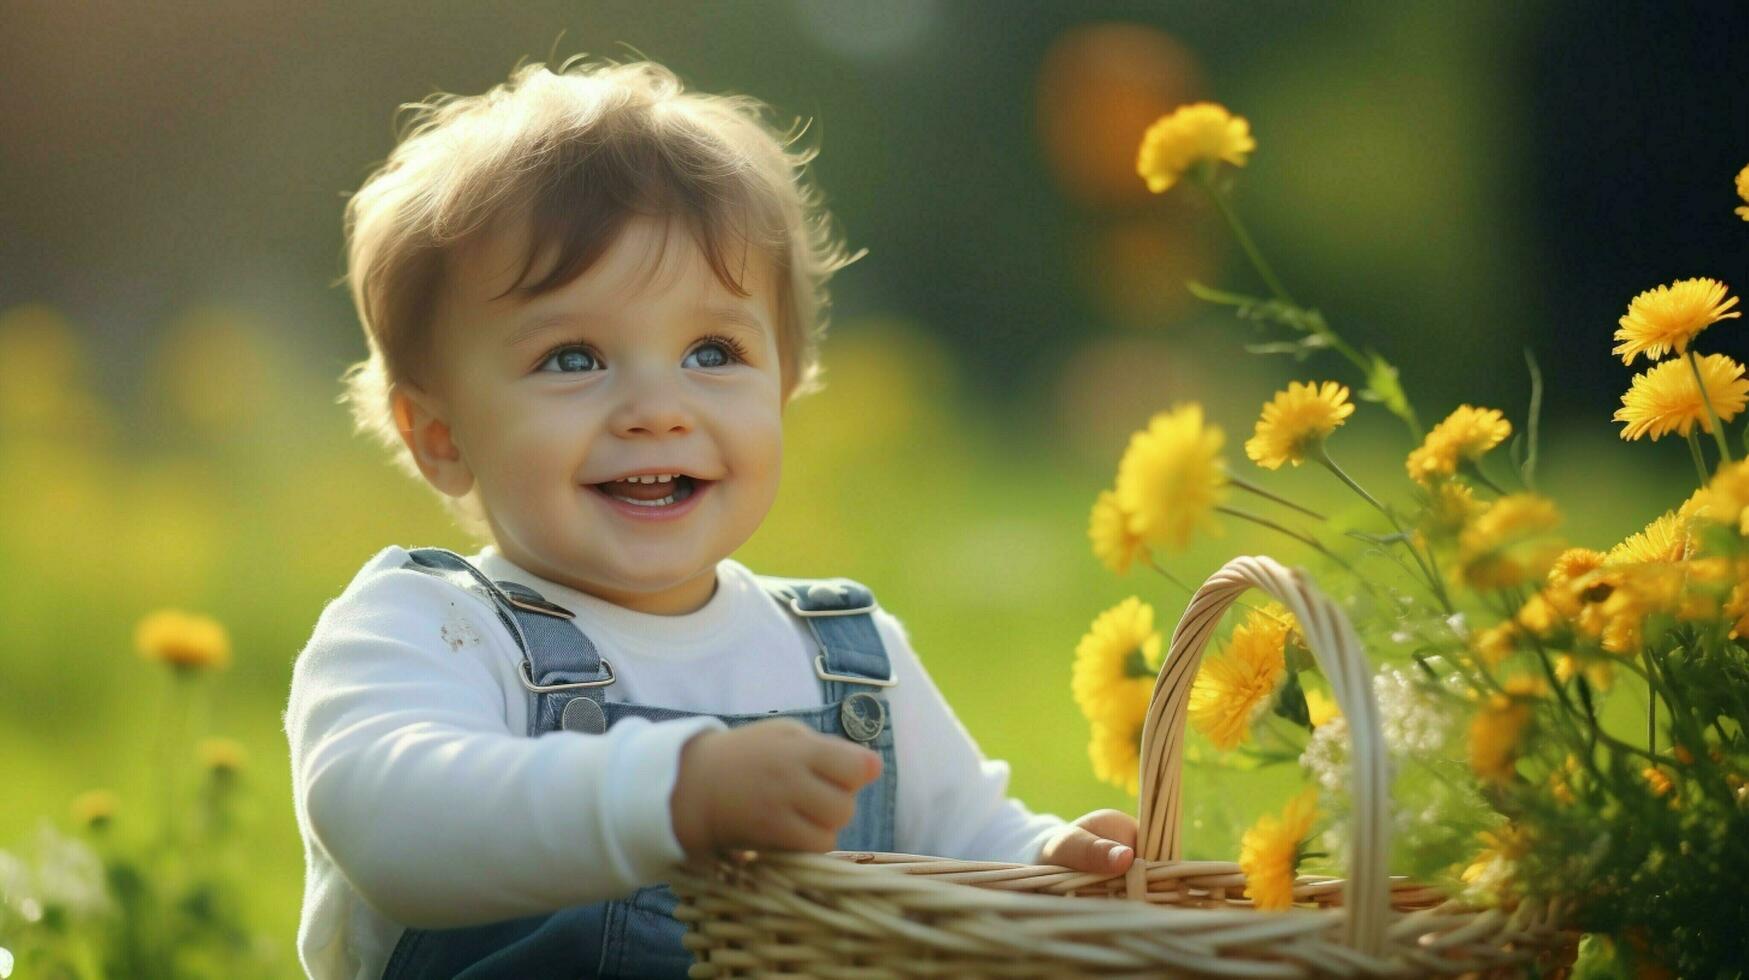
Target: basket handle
1337, 649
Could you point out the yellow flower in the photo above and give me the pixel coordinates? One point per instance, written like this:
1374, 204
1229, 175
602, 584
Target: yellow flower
1115, 747
1509, 544
1664, 540
1108, 528
221, 756
95, 808
1496, 643
1743, 192
1189, 135
1466, 433
1496, 729
1296, 420
1725, 499
1269, 853
1229, 689
1450, 508
1491, 873
1172, 477
1321, 708
185, 641
1573, 563
1665, 398
1668, 317
1117, 659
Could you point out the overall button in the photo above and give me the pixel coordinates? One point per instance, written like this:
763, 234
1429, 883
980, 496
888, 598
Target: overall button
863, 716
825, 594
583, 715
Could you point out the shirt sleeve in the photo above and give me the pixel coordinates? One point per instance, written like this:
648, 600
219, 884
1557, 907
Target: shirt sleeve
406, 770
952, 801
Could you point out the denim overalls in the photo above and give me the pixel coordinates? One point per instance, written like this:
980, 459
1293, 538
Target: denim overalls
567, 682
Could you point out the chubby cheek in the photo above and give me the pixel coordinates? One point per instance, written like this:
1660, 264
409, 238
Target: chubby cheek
533, 470
758, 458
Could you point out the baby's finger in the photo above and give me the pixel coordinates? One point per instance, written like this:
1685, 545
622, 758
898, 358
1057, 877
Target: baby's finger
826, 804
844, 764
1084, 850
1113, 825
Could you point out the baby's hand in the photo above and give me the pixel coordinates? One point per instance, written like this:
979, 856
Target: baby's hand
772, 785
1102, 841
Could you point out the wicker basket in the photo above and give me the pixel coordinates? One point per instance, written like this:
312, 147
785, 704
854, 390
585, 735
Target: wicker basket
859, 915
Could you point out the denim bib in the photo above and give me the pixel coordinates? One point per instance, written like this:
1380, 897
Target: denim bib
566, 680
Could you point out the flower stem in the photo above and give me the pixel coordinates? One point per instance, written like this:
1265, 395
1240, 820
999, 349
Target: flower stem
1250, 487
1175, 580
1475, 469
1245, 242
1718, 429
1322, 455
1699, 457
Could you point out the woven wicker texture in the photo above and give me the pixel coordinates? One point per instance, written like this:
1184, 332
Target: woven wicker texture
900, 915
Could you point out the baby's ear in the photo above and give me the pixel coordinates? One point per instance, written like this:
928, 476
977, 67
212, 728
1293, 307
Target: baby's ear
419, 418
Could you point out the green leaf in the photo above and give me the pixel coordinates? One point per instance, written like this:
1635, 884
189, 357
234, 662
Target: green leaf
1291, 703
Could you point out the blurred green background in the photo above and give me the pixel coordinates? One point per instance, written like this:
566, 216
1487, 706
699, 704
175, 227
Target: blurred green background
1449, 183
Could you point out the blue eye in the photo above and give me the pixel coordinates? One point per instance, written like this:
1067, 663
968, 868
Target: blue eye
570, 360
716, 352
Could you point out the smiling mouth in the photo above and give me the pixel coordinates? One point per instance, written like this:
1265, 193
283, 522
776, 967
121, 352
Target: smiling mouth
650, 494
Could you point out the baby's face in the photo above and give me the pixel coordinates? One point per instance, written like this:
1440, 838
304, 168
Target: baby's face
646, 364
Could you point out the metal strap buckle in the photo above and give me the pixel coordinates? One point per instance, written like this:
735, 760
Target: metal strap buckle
552, 609
528, 680
796, 607
822, 673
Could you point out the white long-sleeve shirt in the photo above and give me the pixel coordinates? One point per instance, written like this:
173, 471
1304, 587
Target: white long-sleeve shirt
422, 803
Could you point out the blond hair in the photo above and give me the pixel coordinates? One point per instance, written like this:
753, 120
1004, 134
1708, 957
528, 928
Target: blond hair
579, 151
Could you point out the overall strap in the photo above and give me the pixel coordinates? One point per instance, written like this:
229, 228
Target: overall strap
838, 613
560, 665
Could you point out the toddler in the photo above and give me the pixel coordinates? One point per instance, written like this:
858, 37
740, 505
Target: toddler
588, 296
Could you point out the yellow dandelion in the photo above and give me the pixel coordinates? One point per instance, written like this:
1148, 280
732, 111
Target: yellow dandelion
221, 756
1118, 657
1495, 643
1743, 192
1666, 318
1115, 748
1465, 434
1725, 499
95, 808
1450, 508
1296, 420
1229, 689
1664, 540
1109, 529
1189, 135
1509, 544
1574, 563
1172, 477
1321, 708
185, 641
1491, 873
1497, 728
1269, 853
1665, 398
